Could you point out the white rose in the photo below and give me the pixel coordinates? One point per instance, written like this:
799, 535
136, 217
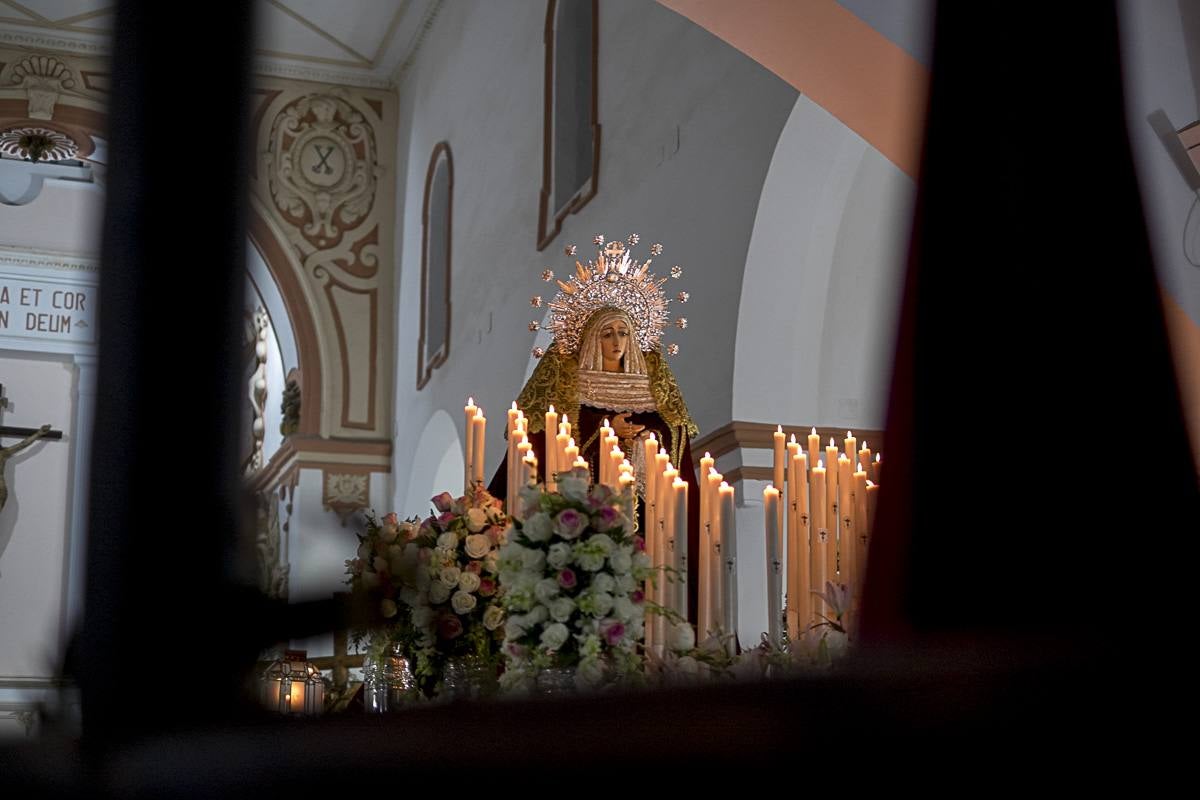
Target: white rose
561, 609
477, 519
560, 555
590, 672
538, 527
462, 602
448, 540
626, 583
603, 582
537, 615
641, 560
682, 637
478, 545
555, 636
620, 560
603, 542
534, 561
546, 590
449, 576
598, 603
438, 592
468, 582
493, 618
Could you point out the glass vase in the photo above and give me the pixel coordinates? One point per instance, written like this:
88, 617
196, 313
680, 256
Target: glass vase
387, 681
555, 681
468, 678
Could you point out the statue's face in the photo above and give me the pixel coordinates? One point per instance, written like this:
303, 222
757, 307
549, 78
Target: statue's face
614, 340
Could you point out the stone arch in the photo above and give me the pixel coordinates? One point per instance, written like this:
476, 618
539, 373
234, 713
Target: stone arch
440, 444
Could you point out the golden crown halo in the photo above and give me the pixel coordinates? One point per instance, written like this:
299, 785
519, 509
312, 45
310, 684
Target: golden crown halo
613, 280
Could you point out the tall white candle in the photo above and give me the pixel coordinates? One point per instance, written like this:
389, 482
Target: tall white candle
703, 612
716, 567
480, 437
862, 532
729, 556
832, 516
550, 456
799, 605
468, 442
847, 569
818, 536
814, 448
680, 522
774, 566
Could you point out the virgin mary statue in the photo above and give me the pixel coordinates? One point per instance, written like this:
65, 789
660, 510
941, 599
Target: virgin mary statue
606, 363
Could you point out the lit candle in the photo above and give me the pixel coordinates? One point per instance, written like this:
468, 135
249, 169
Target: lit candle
650, 525
818, 536
878, 467
615, 458
728, 524
511, 461
570, 452
774, 566
862, 522
703, 611
847, 569
664, 555
778, 452
864, 456
799, 599
832, 517
468, 443
715, 567
477, 446
814, 448
851, 446
551, 453
679, 518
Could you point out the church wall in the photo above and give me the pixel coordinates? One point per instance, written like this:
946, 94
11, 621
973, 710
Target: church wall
688, 129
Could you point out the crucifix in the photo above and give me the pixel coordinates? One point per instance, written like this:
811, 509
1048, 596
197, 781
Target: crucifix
28, 437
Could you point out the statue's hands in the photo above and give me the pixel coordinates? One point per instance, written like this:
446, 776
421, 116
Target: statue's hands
624, 428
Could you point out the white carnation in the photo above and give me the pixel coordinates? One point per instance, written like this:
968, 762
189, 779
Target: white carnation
624, 609
589, 560
534, 561
559, 555
546, 590
462, 602
448, 540
682, 637
590, 672
422, 616
555, 636
538, 528
602, 542
621, 560
625, 583
573, 488
561, 609
468, 582
537, 615
514, 628
597, 604
438, 592
603, 582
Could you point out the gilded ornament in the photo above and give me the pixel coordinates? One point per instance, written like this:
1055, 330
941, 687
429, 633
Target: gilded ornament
547, 275
677, 272
633, 239
683, 297
681, 323
533, 326
656, 249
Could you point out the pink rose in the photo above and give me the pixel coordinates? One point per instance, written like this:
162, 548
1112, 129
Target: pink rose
446, 518
613, 632
606, 518
570, 523
516, 650
566, 578
495, 533
474, 566
449, 627
391, 519
639, 544
443, 501
637, 595
487, 587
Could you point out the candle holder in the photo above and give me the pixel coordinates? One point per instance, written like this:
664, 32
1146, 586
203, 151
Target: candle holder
292, 685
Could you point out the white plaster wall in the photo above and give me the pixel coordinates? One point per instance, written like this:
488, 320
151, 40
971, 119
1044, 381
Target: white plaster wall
1161, 61
820, 296
65, 217
437, 465
34, 522
688, 128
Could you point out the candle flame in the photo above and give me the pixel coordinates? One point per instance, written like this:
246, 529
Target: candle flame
570, 441
605, 424
707, 454
662, 451
471, 401
814, 431
820, 463
864, 447
651, 438
870, 484
779, 429
877, 458
679, 482
514, 405
565, 421
849, 434
551, 409
793, 438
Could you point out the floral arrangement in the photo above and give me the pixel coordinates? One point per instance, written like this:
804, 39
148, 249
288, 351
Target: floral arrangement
437, 581
572, 573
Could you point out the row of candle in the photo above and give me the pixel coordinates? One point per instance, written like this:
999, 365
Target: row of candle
717, 597
828, 513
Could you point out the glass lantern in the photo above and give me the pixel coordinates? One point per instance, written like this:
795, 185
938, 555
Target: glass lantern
292, 685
